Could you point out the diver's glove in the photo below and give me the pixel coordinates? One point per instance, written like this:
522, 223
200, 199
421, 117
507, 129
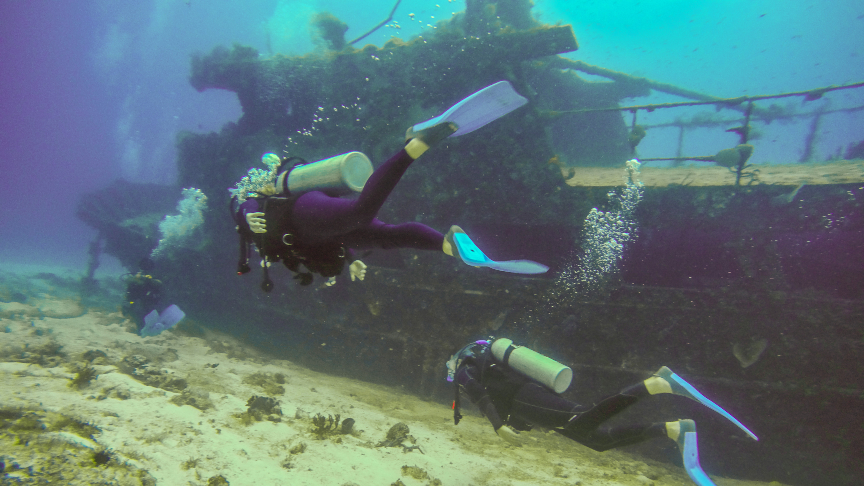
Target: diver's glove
357, 269
509, 435
256, 222
417, 143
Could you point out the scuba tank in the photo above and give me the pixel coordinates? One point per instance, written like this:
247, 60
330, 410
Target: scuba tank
533, 364
337, 176
530, 363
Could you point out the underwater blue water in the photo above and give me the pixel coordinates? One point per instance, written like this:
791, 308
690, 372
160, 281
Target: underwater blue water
95, 91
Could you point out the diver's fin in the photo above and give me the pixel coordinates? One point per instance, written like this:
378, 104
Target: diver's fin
482, 107
472, 255
684, 389
151, 319
154, 323
687, 442
171, 316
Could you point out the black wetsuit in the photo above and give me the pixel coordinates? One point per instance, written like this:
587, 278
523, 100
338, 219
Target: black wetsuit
507, 397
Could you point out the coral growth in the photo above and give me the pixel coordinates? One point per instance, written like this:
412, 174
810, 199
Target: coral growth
260, 408
397, 435
257, 180
331, 30
83, 376
323, 427
176, 230
217, 481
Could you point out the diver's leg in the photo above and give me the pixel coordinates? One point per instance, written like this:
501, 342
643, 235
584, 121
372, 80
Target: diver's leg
610, 438
382, 235
607, 408
317, 214
537, 405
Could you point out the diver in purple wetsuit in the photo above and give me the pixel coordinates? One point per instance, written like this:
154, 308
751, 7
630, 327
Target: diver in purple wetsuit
319, 231
500, 386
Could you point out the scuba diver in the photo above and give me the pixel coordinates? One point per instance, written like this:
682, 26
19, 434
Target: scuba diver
517, 388
143, 292
298, 217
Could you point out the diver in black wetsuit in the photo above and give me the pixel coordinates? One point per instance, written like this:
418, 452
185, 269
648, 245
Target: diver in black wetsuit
511, 400
142, 293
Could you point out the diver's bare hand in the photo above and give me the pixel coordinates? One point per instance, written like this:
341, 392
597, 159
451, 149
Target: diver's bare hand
357, 269
256, 222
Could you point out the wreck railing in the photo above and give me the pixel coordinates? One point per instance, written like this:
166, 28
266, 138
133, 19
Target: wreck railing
751, 112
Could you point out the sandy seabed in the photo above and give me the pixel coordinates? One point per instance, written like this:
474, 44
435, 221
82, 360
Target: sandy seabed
86, 401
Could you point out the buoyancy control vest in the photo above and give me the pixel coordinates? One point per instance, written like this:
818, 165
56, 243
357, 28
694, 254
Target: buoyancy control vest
279, 243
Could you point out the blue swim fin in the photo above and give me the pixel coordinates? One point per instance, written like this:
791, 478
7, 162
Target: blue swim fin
684, 389
472, 255
479, 109
687, 442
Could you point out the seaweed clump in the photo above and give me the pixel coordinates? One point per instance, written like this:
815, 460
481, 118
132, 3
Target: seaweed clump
260, 408
323, 427
102, 457
218, 481
83, 376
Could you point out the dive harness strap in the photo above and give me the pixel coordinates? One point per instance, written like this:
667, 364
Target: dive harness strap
243, 261
506, 358
282, 206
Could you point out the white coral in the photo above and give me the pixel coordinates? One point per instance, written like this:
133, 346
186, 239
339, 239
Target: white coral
177, 229
257, 179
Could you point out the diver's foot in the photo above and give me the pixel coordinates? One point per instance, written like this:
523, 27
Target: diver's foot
666, 381
449, 245
683, 432
661, 382
416, 143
